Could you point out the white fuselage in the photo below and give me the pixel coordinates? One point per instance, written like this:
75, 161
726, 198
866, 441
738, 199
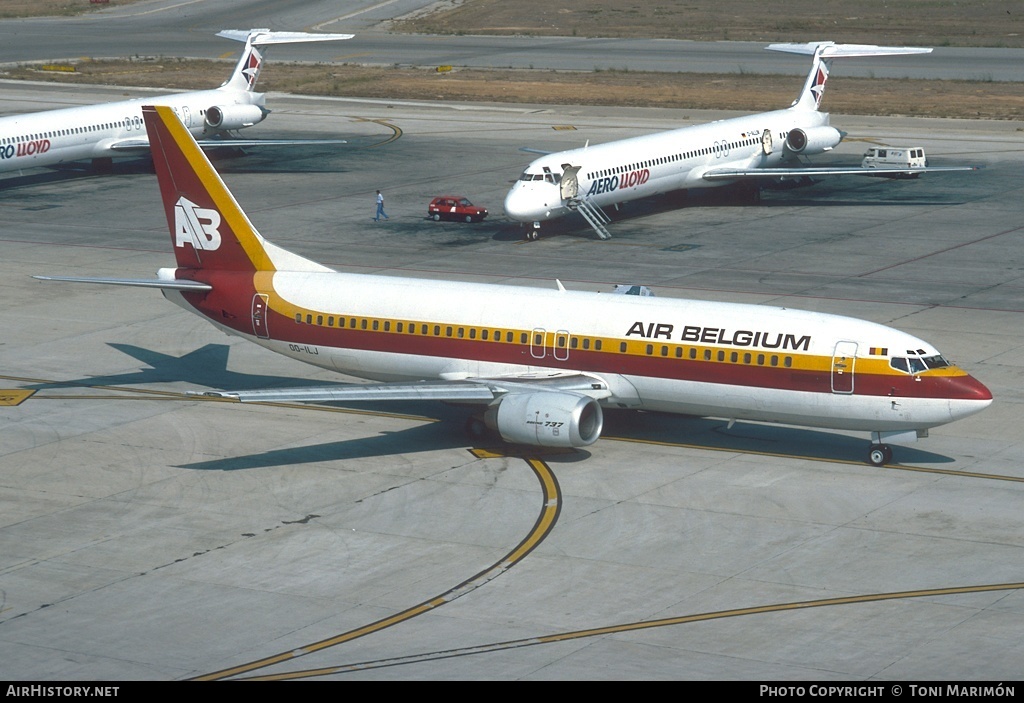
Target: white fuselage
107, 130
639, 167
682, 356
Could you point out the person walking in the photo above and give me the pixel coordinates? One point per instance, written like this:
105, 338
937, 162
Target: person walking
380, 208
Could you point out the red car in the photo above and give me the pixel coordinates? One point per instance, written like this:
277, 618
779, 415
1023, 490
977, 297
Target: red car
455, 207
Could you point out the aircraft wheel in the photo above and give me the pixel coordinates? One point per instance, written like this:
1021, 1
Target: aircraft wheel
879, 454
532, 234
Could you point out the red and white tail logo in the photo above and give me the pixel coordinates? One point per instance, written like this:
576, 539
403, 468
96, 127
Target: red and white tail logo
197, 226
253, 63
818, 86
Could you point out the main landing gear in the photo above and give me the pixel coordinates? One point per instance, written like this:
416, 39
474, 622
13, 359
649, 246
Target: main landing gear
880, 454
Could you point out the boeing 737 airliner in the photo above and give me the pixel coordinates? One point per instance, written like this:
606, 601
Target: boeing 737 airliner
101, 132
539, 364
746, 149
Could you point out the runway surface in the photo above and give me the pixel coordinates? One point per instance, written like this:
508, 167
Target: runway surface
172, 28
149, 535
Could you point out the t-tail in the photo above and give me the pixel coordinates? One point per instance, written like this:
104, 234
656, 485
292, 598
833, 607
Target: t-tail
823, 53
247, 72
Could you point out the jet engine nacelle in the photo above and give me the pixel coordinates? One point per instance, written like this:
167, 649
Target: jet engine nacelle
546, 419
234, 116
814, 140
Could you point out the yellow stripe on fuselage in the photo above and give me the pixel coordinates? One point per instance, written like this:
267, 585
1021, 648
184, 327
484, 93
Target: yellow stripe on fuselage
746, 356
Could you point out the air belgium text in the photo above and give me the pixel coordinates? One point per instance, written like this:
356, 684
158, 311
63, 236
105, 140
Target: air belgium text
721, 335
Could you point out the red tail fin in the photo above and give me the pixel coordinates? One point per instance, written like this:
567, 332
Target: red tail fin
208, 228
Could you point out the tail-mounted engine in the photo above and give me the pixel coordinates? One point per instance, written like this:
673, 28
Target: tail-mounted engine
546, 419
813, 140
234, 116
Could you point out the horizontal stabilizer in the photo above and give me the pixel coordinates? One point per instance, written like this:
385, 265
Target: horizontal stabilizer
264, 37
831, 50
170, 284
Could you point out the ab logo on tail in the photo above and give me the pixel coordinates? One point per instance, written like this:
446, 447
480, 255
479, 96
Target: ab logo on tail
196, 226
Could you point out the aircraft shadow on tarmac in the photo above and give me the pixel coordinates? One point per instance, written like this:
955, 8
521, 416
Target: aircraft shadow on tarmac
207, 367
227, 159
690, 433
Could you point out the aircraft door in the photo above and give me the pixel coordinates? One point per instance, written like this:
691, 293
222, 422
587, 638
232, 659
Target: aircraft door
259, 316
844, 359
569, 186
186, 116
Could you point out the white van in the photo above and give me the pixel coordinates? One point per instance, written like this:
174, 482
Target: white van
894, 157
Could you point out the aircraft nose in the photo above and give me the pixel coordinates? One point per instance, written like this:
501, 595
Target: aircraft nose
518, 206
969, 388
967, 395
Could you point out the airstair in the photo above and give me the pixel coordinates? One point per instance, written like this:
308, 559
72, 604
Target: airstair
593, 214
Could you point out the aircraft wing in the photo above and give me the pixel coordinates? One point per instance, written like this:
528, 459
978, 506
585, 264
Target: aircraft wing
141, 146
732, 174
470, 390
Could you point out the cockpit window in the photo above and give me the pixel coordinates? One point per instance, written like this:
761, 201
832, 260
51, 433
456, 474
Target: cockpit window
917, 364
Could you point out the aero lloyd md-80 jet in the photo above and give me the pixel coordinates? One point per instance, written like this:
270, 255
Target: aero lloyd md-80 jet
102, 132
749, 149
538, 364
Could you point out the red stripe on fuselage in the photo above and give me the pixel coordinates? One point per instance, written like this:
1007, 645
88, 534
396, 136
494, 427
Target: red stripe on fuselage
608, 361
